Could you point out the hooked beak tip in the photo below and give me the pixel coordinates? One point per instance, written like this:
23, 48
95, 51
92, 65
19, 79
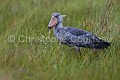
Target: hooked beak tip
49, 27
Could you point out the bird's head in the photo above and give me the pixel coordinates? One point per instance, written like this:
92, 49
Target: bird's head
55, 19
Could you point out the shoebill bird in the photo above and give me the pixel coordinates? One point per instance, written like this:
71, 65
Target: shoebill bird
74, 37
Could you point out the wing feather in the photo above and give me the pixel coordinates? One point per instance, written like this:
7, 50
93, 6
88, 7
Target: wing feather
80, 38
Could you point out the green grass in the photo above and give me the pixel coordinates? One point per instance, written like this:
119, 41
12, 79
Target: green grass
49, 60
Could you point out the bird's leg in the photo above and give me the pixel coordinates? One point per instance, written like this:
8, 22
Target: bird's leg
78, 50
97, 51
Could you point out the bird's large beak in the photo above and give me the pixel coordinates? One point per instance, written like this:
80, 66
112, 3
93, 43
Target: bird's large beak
52, 22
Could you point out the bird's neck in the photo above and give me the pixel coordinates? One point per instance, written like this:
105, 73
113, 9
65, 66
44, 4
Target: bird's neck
59, 25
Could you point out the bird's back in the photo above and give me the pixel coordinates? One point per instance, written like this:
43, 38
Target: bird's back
79, 38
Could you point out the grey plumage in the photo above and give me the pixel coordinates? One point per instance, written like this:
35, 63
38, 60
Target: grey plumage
76, 37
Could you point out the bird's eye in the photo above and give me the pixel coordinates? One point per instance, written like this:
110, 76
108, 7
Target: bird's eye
56, 16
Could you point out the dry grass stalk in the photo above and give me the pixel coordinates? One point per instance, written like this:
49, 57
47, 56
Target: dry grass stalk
105, 18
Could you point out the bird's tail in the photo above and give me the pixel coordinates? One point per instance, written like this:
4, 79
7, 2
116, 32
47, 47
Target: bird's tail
102, 45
